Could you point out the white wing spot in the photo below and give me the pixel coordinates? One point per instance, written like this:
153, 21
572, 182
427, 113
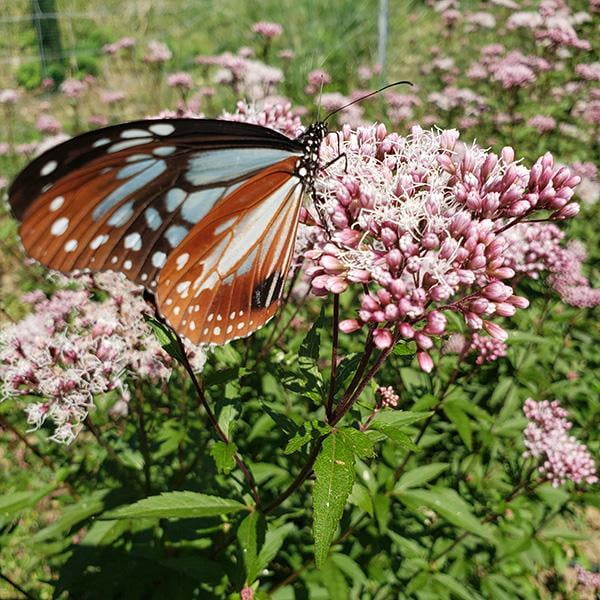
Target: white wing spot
159, 259
49, 167
210, 317
56, 203
192, 325
232, 315
205, 331
219, 317
164, 150
175, 234
229, 329
127, 265
114, 259
101, 142
181, 260
128, 144
133, 241
144, 276
121, 215
241, 313
240, 325
98, 241
183, 287
153, 218
162, 129
71, 245
59, 226
169, 301
217, 330
177, 310
135, 133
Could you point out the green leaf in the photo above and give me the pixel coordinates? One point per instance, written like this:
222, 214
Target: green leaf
177, 505
312, 342
359, 441
397, 418
223, 454
72, 515
334, 470
166, 338
405, 349
308, 431
420, 475
287, 425
350, 568
273, 541
103, 533
408, 548
346, 369
251, 535
461, 421
360, 497
448, 505
17, 501
456, 588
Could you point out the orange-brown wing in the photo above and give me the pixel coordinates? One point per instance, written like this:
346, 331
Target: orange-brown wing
226, 278
124, 198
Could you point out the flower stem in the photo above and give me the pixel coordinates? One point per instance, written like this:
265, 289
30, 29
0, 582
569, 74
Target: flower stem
213, 421
334, 348
145, 446
16, 586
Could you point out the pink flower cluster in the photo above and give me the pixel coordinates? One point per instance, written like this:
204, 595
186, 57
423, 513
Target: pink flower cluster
157, 53
125, 43
536, 249
560, 456
267, 29
251, 78
71, 348
387, 397
73, 88
419, 223
276, 115
488, 349
180, 80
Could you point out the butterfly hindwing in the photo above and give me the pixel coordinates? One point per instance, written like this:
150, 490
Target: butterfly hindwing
242, 255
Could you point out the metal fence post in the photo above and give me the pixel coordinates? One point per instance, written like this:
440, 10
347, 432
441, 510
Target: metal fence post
45, 23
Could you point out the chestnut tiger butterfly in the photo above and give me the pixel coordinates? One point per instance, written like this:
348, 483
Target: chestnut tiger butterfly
203, 213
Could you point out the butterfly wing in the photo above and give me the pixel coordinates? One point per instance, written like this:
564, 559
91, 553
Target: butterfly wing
241, 255
124, 197
201, 212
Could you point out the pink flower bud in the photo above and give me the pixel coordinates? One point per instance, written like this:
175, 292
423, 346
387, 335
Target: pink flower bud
383, 338
423, 341
349, 326
504, 309
495, 330
567, 212
473, 321
519, 301
425, 361
331, 263
406, 331
369, 303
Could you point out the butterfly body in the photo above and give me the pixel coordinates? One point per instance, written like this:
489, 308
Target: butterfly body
203, 213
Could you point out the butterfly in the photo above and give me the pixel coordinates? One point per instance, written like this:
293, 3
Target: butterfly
202, 213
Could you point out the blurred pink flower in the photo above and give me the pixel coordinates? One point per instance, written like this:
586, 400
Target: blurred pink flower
180, 80
112, 96
316, 79
73, 88
157, 52
267, 29
48, 124
542, 123
9, 96
588, 71
588, 580
561, 457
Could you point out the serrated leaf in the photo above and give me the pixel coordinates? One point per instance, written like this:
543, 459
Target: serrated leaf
166, 338
448, 505
223, 455
334, 471
346, 369
358, 441
420, 475
312, 342
286, 424
309, 430
177, 505
251, 536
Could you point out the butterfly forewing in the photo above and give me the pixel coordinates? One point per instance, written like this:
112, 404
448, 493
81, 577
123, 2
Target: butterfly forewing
124, 197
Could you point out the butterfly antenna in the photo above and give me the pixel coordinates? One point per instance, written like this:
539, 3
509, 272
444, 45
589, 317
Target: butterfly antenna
320, 98
381, 89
